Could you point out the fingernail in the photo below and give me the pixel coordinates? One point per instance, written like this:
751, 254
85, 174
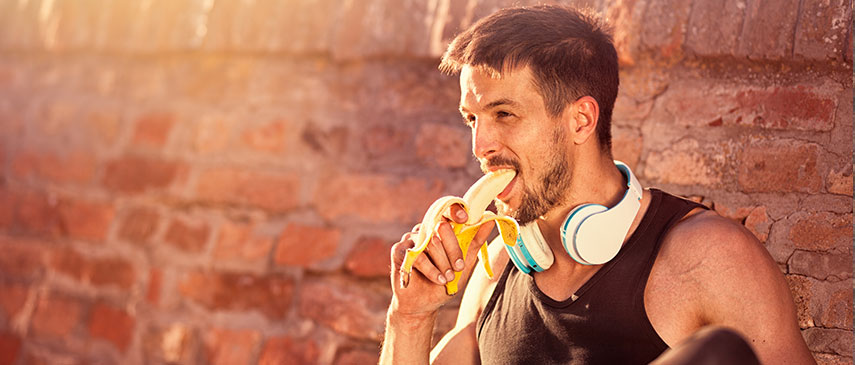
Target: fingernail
449, 275
441, 278
458, 265
461, 214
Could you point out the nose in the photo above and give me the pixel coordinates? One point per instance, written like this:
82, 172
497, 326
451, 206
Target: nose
485, 140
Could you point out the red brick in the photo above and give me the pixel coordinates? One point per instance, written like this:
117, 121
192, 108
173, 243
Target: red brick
822, 231
227, 347
155, 282
238, 241
10, 348
800, 287
289, 350
103, 124
269, 137
847, 54
758, 223
22, 258
714, 27
95, 271
626, 146
175, 344
822, 266
768, 30
827, 340
683, 164
443, 146
821, 31
112, 324
328, 141
187, 236
153, 129
272, 191
779, 166
363, 30
384, 141
56, 315
822, 303
7, 209
305, 245
139, 224
76, 167
85, 220
376, 198
12, 298
840, 182
135, 174
356, 357
829, 359
369, 258
346, 308
664, 25
212, 134
35, 212
271, 295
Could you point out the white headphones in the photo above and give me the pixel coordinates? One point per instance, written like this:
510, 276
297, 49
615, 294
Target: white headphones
591, 234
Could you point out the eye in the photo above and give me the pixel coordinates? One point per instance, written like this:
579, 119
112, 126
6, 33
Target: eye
503, 114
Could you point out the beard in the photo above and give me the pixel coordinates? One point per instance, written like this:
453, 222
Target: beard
549, 188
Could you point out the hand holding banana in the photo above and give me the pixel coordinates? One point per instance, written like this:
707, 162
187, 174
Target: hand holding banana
474, 203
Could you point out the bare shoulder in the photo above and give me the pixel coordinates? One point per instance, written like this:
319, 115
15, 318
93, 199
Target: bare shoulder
718, 273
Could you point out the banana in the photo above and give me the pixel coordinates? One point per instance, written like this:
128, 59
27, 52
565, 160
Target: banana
475, 203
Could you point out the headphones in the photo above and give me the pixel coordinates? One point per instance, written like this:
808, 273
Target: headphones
592, 234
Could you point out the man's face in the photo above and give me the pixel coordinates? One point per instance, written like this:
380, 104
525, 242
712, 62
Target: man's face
511, 128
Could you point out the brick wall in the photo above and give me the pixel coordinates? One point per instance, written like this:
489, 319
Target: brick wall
219, 181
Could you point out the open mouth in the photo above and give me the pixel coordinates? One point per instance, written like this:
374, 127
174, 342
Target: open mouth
504, 194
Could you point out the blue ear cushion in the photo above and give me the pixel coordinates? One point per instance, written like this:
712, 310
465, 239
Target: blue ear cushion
571, 226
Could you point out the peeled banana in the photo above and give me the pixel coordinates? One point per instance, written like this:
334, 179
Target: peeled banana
475, 203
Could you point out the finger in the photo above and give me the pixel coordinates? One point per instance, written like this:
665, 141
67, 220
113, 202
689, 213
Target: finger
399, 251
481, 237
416, 227
458, 214
439, 256
424, 265
451, 245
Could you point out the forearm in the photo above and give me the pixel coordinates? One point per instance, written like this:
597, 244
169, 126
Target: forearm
407, 338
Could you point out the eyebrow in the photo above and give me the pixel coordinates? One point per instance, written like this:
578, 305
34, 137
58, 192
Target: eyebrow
493, 104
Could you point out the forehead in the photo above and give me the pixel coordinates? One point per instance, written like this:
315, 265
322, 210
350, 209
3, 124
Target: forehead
479, 88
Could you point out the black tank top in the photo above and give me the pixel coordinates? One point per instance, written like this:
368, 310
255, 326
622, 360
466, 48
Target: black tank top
604, 322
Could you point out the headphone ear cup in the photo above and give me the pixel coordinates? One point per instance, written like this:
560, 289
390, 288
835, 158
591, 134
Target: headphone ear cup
536, 246
571, 227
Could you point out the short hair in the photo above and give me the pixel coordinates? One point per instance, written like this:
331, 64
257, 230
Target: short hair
570, 53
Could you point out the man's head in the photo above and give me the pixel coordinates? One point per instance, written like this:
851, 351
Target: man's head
570, 55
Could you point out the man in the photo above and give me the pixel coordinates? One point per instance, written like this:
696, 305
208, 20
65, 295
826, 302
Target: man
537, 89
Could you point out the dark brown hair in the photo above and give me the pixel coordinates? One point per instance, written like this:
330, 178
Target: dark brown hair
570, 54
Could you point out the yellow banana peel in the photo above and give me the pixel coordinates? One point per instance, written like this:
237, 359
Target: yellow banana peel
475, 203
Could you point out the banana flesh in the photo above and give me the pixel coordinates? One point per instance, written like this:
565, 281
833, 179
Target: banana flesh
475, 203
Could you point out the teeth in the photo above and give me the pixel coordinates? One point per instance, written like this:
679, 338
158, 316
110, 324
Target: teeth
475, 203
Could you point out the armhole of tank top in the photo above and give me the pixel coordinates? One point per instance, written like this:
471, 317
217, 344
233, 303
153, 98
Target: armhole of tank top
498, 290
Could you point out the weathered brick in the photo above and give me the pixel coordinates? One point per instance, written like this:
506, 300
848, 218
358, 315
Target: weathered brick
84, 219
626, 146
829, 359
273, 191
35, 212
7, 209
683, 164
822, 231
212, 134
22, 258
56, 315
12, 298
664, 26
138, 224
345, 308
290, 350
828, 340
101, 271
226, 346
305, 245
239, 242
135, 174
714, 27
822, 303
758, 223
103, 123
822, 266
779, 166
66, 167
767, 33
356, 357
821, 29
327, 141
382, 141
369, 257
175, 344
153, 129
268, 137
444, 146
840, 182
10, 348
187, 235
368, 28
155, 283
375, 198
271, 295
112, 324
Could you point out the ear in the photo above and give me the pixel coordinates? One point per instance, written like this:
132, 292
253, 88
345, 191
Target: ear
584, 115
